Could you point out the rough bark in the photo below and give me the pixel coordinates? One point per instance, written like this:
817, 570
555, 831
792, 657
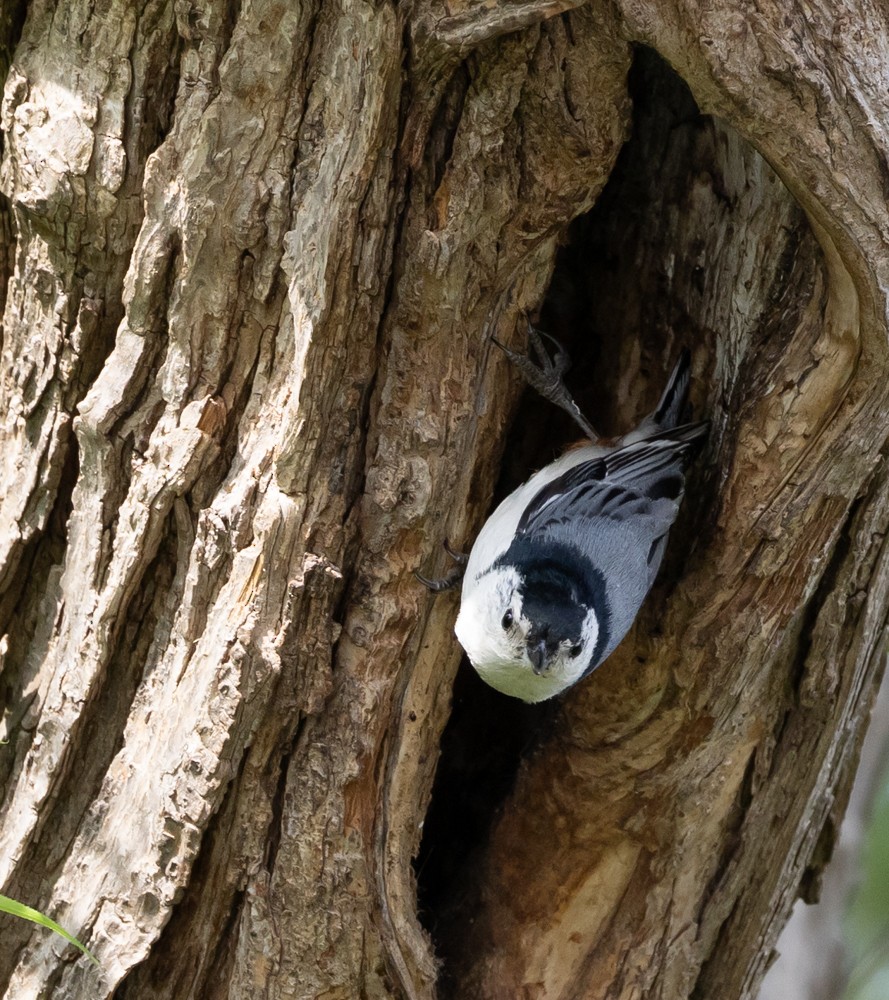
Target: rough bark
253, 255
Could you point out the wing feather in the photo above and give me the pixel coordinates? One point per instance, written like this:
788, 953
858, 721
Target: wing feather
626, 483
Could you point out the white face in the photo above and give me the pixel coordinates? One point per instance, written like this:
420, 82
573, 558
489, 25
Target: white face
494, 633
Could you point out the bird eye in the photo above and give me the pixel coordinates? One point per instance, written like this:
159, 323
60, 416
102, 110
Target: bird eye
575, 651
507, 620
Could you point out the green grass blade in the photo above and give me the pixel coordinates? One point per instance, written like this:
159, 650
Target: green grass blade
17, 909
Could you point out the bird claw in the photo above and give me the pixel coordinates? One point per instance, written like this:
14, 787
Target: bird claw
560, 362
546, 375
450, 580
459, 557
441, 583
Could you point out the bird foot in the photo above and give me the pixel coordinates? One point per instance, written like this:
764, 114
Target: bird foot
450, 580
546, 375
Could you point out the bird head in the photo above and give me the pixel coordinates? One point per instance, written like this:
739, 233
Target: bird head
526, 637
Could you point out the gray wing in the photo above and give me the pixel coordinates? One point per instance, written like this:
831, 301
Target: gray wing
639, 485
616, 512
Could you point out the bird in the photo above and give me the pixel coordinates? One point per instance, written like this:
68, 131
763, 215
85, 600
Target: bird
558, 573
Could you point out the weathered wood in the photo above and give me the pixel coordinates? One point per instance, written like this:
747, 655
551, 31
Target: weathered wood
254, 256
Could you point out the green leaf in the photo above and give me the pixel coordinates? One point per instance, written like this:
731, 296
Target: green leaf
17, 909
866, 924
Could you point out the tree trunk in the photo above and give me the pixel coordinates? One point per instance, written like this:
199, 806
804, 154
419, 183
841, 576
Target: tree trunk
253, 257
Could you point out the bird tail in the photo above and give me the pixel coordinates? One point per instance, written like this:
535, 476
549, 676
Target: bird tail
671, 418
690, 437
670, 409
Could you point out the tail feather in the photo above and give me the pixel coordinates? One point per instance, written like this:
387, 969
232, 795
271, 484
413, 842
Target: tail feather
672, 402
687, 433
692, 436
688, 439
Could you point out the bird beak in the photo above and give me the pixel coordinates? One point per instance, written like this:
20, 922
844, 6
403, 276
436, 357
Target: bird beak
537, 656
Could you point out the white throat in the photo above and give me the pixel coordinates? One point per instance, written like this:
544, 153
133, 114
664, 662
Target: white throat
499, 654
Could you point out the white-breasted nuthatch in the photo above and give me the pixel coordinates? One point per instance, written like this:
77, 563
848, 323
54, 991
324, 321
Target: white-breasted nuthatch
560, 569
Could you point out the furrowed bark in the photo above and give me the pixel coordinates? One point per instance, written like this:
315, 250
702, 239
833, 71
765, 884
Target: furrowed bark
256, 254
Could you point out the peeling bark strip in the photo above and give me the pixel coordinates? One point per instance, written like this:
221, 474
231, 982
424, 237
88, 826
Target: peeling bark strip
252, 257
